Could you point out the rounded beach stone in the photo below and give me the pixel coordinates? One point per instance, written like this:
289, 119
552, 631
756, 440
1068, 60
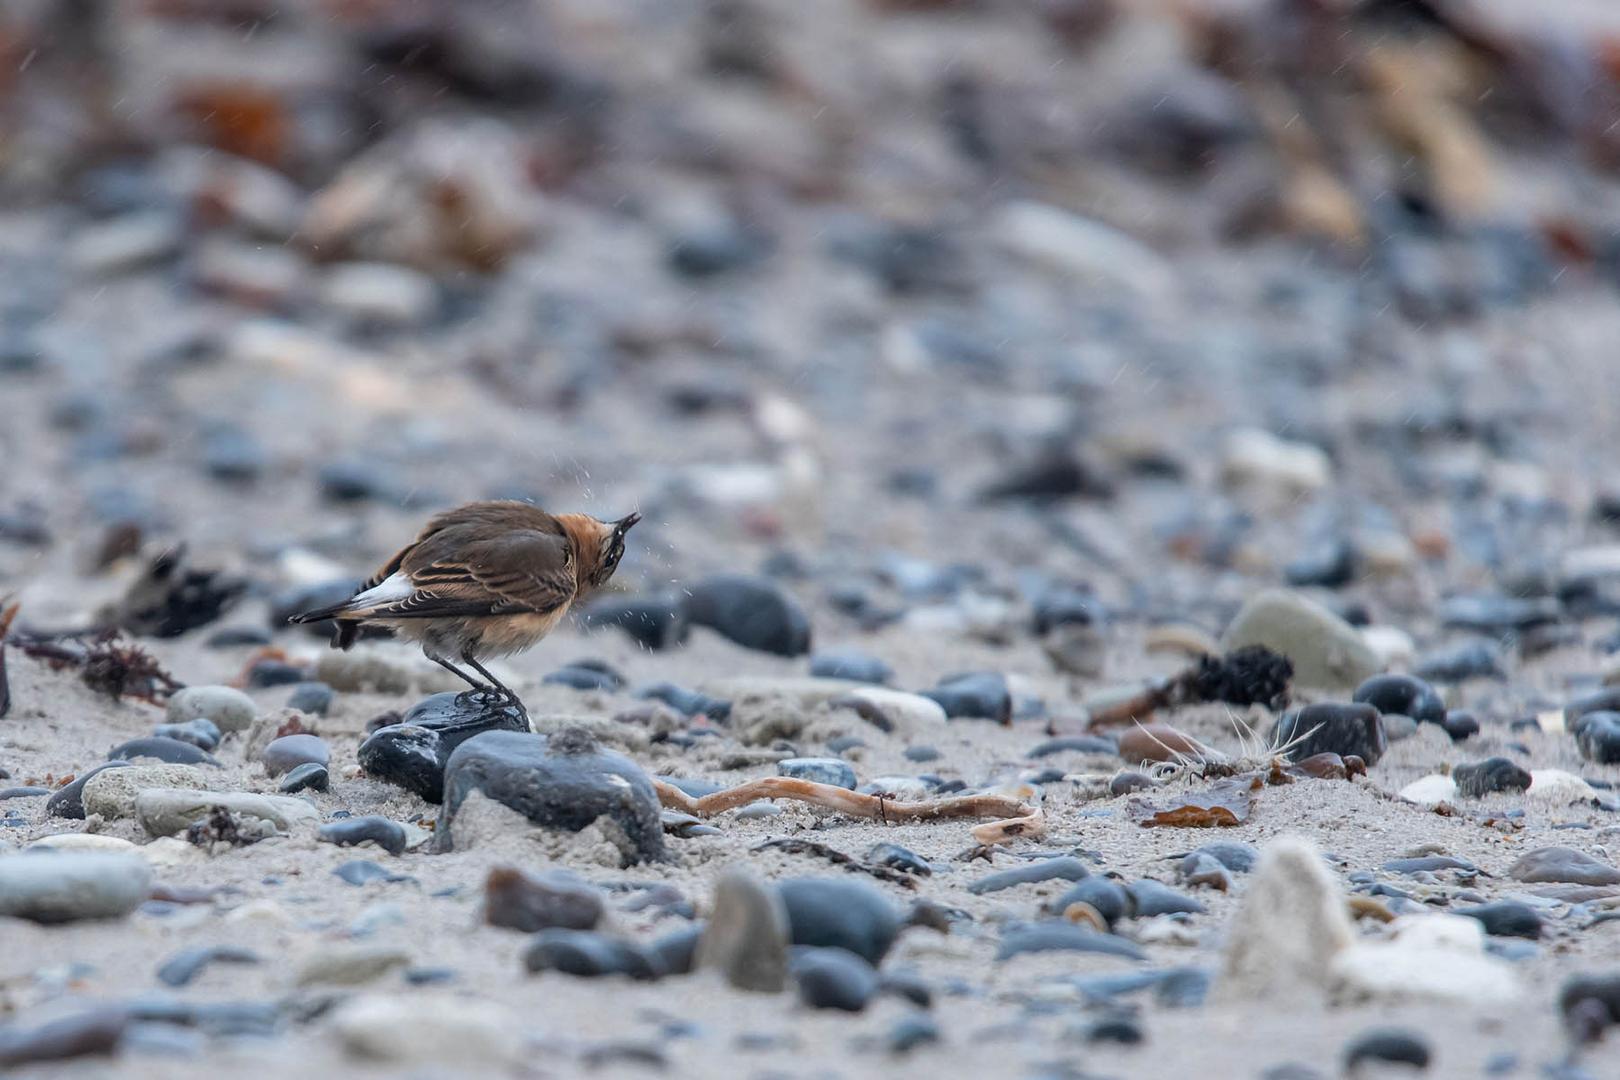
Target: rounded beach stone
564, 782
746, 937
229, 708
59, 887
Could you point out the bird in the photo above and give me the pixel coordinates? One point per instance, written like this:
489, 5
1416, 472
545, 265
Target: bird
483, 580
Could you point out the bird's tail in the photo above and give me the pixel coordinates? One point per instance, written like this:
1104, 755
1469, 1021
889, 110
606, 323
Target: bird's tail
320, 614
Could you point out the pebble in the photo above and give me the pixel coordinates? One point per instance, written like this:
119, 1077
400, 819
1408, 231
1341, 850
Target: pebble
586, 676
1505, 918
753, 612
1430, 790
1389, 1045
1326, 651
415, 1032
1156, 742
1106, 896
379, 294
201, 732
1405, 695
1563, 864
313, 698
364, 872
834, 979
1489, 614
290, 751
350, 965
386, 834
1590, 1003
1060, 935
518, 900
22, 792
1127, 781
113, 794
840, 914
850, 664
233, 456
1339, 729
126, 242
1601, 701
167, 811
1121, 1030
1149, 898
892, 710
910, 1032
656, 622
1456, 663
588, 954
1062, 868
306, 777
747, 936
95, 1031
834, 771
157, 748
68, 802
687, 702
1597, 736
1459, 725
565, 782
1480, 778
899, 858
60, 887
185, 965
1234, 855
1075, 744
413, 754
980, 695
922, 754
228, 708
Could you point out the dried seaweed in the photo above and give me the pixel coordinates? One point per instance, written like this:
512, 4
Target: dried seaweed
107, 662
796, 846
1252, 675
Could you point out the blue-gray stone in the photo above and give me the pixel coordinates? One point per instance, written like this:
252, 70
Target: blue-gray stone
834, 771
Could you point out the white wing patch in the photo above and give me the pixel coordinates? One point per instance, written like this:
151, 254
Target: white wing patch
395, 587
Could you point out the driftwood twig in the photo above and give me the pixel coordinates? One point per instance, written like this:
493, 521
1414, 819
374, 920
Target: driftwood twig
841, 799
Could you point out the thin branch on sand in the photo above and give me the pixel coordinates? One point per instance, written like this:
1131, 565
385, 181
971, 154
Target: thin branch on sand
841, 799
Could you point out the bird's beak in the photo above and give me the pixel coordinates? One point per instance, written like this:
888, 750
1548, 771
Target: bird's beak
623, 524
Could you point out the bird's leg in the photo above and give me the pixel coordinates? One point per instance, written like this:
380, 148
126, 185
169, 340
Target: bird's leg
477, 686
500, 688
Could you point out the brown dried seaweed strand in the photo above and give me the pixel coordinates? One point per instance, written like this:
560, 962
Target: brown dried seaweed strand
841, 799
794, 845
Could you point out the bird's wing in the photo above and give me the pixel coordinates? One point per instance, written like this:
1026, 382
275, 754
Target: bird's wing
450, 573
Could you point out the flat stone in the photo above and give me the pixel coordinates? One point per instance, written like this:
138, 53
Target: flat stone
1326, 651
833, 771
850, 664
1060, 935
1063, 868
588, 954
201, 732
158, 748
167, 811
386, 834
59, 887
91, 1032
1405, 695
306, 777
1563, 864
1505, 918
414, 1030
350, 965
112, 794
185, 965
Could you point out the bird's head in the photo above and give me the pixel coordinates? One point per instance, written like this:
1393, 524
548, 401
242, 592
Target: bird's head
610, 547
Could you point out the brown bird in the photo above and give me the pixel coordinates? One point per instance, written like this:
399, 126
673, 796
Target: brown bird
485, 579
